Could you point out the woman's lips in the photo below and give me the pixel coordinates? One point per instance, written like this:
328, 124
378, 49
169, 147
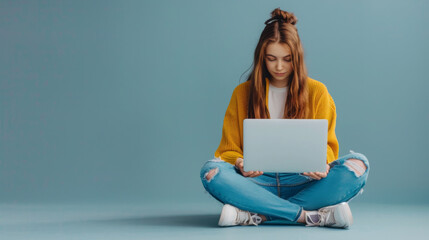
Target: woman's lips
279, 74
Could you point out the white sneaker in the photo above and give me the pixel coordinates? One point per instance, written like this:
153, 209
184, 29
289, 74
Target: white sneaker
338, 215
232, 216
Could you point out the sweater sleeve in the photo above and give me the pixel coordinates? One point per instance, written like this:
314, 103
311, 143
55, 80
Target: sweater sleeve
326, 110
230, 145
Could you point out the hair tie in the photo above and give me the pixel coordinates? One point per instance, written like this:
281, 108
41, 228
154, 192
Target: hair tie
275, 19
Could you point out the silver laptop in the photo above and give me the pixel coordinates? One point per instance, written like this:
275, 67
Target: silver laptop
285, 145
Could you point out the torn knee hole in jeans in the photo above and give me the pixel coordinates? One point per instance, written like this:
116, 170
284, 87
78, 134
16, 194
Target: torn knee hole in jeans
357, 166
210, 174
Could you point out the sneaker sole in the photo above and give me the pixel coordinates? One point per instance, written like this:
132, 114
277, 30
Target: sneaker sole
344, 214
226, 215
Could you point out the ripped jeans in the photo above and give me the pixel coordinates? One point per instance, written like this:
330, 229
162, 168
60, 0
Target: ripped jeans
283, 196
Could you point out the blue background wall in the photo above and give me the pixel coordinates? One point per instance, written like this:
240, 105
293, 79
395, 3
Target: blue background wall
124, 100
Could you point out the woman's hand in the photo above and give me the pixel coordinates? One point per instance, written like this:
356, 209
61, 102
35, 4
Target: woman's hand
318, 175
239, 166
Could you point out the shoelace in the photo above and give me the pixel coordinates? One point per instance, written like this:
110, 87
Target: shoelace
309, 220
242, 217
326, 218
247, 218
256, 218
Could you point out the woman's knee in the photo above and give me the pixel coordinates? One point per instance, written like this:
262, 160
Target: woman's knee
211, 169
355, 162
357, 166
211, 173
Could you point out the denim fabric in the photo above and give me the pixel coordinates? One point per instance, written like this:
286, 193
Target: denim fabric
282, 196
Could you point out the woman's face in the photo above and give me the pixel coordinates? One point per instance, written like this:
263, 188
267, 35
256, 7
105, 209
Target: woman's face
278, 60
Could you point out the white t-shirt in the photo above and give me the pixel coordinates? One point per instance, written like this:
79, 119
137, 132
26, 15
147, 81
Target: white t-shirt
276, 101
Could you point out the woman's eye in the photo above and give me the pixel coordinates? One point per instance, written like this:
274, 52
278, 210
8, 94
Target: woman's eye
272, 60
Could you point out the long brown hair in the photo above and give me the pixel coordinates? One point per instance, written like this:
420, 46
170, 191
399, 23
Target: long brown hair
279, 28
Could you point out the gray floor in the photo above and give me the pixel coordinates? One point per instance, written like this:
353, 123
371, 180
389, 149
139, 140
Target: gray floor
194, 221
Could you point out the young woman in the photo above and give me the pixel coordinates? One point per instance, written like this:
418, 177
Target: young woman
278, 87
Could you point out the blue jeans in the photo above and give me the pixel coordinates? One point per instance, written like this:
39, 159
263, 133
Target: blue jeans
283, 196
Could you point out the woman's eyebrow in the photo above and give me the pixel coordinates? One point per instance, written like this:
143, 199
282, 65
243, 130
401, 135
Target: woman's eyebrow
275, 56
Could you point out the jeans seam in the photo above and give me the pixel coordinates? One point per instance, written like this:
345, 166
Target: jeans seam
280, 185
298, 214
263, 184
292, 185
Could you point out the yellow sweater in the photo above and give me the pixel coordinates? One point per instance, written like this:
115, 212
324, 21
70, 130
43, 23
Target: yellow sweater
321, 106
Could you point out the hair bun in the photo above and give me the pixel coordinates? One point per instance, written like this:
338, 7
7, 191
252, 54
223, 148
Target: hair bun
287, 17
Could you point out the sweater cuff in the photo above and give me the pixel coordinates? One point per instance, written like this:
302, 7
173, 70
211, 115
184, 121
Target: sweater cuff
230, 156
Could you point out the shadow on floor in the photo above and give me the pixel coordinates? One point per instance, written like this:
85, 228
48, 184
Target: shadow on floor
205, 221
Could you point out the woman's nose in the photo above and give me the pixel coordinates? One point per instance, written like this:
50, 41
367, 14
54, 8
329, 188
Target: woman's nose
279, 65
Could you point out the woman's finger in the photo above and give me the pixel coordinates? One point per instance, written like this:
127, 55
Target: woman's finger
247, 174
238, 162
252, 174
240, 167
255, 174
313, 175
321, 175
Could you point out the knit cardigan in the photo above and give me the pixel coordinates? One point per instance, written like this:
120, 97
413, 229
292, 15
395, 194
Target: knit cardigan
321, 106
